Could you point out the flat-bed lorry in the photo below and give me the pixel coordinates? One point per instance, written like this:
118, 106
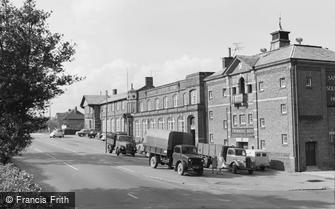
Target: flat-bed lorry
172, 148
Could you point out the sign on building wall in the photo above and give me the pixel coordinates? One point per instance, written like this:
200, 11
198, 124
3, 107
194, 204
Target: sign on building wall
330, 88
242, 132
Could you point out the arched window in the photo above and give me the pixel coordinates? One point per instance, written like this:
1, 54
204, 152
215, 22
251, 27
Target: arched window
144, 126
157, 104
241, 85
165, 102
185, 99
171, 124
141, 106
194, 96
175, 100
181, 124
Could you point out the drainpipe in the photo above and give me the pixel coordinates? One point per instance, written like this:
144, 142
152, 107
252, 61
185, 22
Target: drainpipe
257, 119
296, 106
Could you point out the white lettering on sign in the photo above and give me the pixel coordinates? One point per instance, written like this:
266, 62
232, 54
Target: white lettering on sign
332, 98
330, 88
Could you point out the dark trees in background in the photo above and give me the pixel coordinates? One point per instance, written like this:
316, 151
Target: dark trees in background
31, 73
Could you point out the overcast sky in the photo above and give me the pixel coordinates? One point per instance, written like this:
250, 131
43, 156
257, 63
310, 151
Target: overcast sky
169, 39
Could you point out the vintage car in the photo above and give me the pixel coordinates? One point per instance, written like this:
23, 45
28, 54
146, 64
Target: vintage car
260, 157
57, 133
237, 159
82, 132
92, 134
120, 142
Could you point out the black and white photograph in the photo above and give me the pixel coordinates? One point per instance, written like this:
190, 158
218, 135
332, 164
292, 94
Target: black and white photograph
181, 104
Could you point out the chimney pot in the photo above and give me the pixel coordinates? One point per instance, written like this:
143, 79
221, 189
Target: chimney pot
149, 82
114, 91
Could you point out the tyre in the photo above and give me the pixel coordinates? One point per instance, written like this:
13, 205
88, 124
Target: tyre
110, 150
117, 151
181, 169
153, 162
133, 154
250, 171
234, 168
262, 168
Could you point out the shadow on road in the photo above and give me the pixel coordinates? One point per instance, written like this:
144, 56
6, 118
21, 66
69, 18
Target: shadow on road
148, 197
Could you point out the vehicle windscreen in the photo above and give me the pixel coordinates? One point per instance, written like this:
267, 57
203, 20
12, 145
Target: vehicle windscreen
240, 152
125, 139
189, 150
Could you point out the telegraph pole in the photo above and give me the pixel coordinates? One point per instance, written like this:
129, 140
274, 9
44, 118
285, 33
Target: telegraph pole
106, 122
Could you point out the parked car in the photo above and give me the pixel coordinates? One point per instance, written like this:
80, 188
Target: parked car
57, 133
92, 134
237, 159
260, 157
82, 132
121, 143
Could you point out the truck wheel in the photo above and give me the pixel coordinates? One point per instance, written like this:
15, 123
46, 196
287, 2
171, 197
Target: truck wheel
234, 168
153, 162
250, 171
181, 168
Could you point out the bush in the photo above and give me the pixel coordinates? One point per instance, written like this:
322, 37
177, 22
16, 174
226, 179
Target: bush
12, 179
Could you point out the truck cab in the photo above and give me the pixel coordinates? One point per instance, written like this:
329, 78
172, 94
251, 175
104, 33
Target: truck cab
186, 158
237, 159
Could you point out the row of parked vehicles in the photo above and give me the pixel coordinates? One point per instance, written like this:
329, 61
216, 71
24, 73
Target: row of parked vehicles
178, 151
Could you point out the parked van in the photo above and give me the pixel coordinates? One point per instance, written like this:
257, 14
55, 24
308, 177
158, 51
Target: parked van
261, 158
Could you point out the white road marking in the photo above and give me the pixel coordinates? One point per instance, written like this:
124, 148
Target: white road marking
53, 157
133, 196
126, 169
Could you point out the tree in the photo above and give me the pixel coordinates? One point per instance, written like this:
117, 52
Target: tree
31, 73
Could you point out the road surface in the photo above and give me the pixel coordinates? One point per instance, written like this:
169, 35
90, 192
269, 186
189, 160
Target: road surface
78, 164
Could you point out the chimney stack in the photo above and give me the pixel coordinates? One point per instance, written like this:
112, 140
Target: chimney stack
226, 61
149, 82
114, 91
279, 39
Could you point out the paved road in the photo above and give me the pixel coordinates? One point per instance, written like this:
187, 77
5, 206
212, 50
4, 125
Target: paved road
106, 181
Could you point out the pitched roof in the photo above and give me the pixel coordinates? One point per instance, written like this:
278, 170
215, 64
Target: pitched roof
115, 97
92, 100
74, 114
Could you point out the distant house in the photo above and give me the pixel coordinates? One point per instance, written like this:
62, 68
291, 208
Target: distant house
71, 121
91, 105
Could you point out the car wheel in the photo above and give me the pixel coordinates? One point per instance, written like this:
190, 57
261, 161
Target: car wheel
250, 172
153, 162
181, 169
117, 151
234, 168
133, 154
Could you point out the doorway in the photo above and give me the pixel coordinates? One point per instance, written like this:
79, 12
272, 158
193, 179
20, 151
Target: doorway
310, 153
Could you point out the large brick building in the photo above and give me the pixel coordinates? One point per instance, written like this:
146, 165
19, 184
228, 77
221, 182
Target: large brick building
282, 100
71, 121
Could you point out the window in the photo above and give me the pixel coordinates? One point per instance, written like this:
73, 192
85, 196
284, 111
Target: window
282, 82
160, 123
123, 105
262, 122
261, 86
89, 124
149, 105
211, 115
210, 95
250, 120
113, 125
224, 92
165, 102
118, 106
211, 138
284, 139
235, 120
175, 100
118, 128
157, 104
112, 107
262, 144
283, 109
142, 106
122, 124
144, 126
137, 128
185, 99
225, 124
181, 124
171, 124
194, 96
241, 85
242, 120
308, 82
225, 142
177, 149
249, 88
234, 90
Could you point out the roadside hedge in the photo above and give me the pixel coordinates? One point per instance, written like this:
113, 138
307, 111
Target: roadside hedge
12, 179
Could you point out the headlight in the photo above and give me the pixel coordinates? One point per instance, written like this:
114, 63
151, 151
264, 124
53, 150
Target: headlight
202, 160
189, 160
